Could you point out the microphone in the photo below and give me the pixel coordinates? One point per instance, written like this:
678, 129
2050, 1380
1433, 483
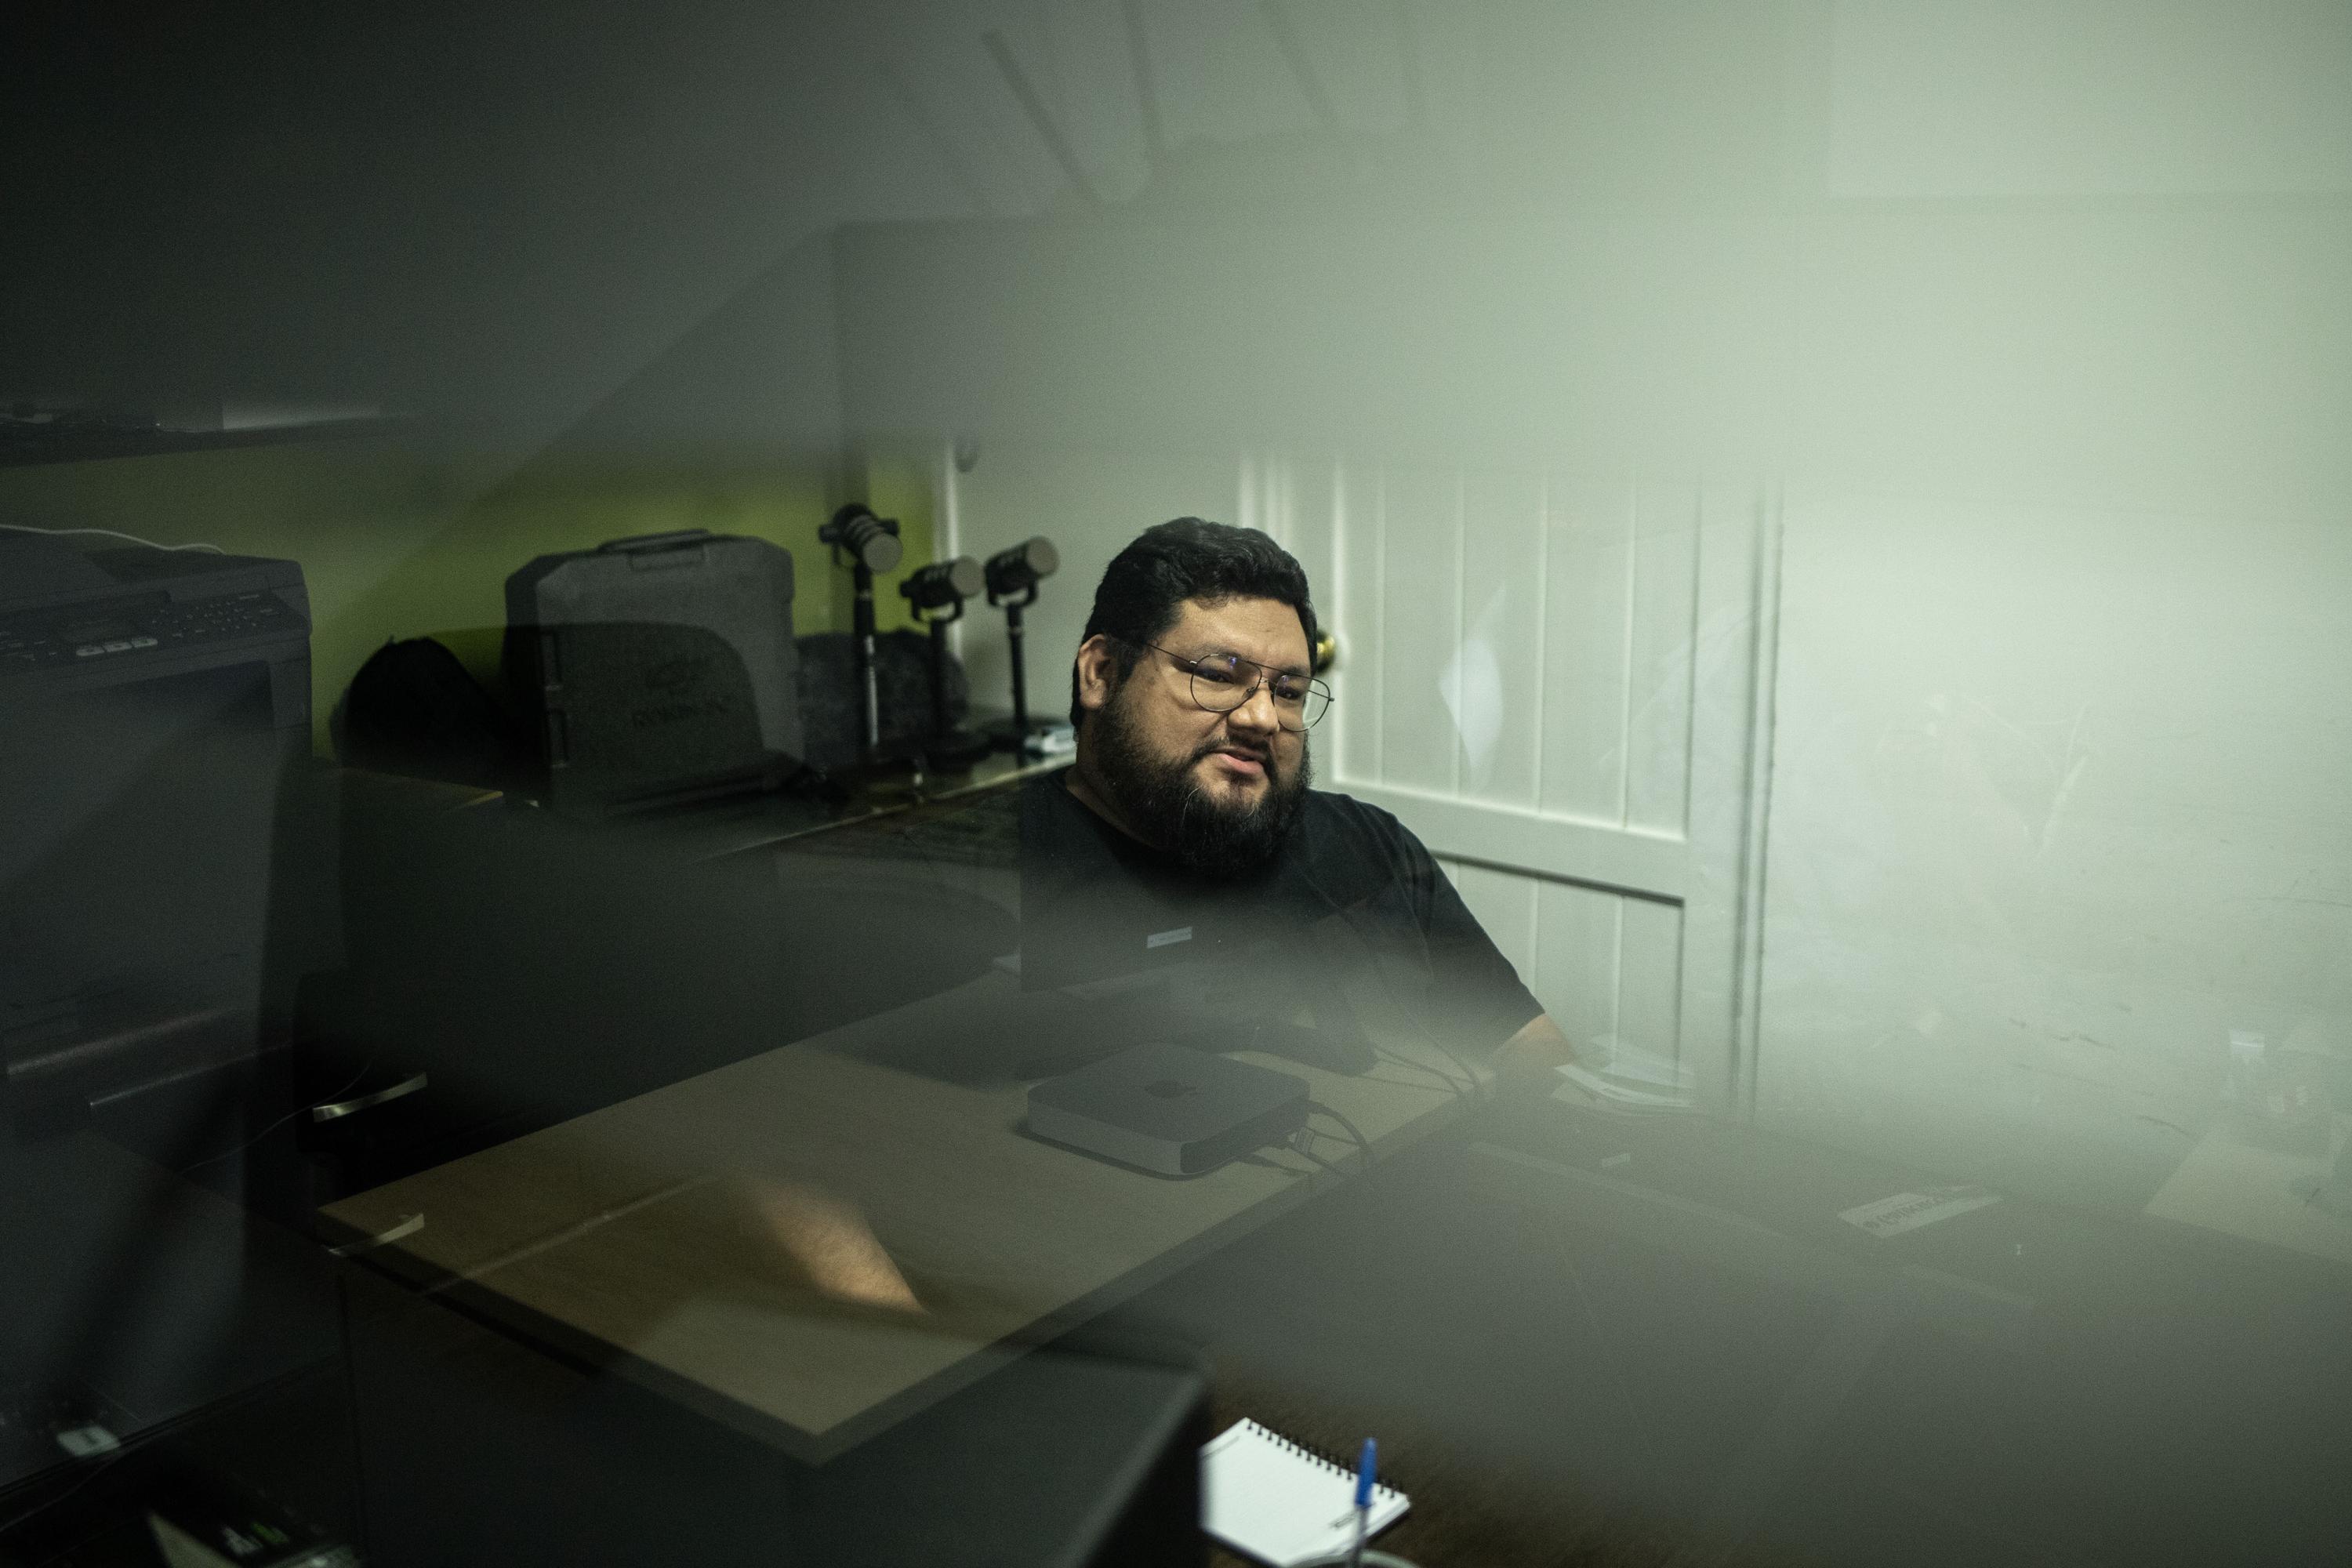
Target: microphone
943, 584
1019, 569
872, 542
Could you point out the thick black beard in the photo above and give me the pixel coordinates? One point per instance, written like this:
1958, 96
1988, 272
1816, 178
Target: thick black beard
1162, 801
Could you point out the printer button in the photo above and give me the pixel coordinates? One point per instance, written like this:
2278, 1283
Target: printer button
89, 650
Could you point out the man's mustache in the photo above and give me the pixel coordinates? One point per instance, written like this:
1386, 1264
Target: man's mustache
1264, 755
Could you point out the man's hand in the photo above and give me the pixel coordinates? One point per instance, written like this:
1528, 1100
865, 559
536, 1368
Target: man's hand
1526, 1062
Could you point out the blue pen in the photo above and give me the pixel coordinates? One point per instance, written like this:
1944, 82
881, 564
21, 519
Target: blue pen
1364, 1468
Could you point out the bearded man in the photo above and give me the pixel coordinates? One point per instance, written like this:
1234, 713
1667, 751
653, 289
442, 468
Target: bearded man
1188, 827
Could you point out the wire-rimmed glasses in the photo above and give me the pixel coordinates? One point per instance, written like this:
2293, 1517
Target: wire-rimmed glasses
1223, 681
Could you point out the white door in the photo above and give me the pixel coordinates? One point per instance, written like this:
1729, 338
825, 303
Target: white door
1562, 683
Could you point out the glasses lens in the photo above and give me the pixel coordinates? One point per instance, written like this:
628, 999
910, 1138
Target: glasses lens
1291, 695
1219, 683
1313, 703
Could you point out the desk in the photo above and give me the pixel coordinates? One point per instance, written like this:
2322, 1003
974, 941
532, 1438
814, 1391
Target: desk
1591, 1339
618, 1236
752, 823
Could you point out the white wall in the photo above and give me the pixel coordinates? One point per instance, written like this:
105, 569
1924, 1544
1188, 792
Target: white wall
2031, 97
2059, 800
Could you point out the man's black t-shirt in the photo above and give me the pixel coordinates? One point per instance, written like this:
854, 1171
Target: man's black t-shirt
1352, 895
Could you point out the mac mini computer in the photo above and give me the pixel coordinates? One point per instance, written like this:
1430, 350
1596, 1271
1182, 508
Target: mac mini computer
1168, 1109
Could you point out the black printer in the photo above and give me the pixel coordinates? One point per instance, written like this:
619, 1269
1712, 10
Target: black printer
74, 621
154, 705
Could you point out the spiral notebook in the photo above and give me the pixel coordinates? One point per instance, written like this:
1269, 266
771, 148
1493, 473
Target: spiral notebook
1265, 1497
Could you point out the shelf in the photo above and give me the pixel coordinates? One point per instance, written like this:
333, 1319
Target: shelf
24, 445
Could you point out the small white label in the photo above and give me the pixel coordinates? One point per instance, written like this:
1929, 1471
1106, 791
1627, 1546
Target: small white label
1168, 938
1909, 1211
82, 1442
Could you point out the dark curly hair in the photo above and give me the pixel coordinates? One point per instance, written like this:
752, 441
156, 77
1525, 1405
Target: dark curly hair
1143, 590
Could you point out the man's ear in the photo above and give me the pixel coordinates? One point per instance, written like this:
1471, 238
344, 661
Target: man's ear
1097, 672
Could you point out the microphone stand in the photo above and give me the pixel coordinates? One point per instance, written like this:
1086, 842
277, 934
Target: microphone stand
950, 748
1016, 740
856, 529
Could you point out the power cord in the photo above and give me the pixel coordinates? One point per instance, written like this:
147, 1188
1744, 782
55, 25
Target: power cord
107, 533
1460, 1090
1299, 1140
1316, 1107
1428, 1035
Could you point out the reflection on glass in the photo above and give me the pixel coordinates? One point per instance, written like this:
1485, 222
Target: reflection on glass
1722, 916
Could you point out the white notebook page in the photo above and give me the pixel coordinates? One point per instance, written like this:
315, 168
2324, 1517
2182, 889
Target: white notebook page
1266, 1498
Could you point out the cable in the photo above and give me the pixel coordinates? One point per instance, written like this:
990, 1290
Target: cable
1298, 1148
108, 533
1380, 972
1363, 1145
1450, 1054
1397, 1058
1460, 1090
1422, 1084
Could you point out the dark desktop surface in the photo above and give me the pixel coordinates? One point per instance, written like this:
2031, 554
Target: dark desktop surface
1585, 1338
476, 1448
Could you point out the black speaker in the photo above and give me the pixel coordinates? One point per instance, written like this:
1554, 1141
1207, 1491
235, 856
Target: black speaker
655, 669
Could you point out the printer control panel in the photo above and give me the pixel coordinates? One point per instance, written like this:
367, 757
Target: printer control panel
148, 625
